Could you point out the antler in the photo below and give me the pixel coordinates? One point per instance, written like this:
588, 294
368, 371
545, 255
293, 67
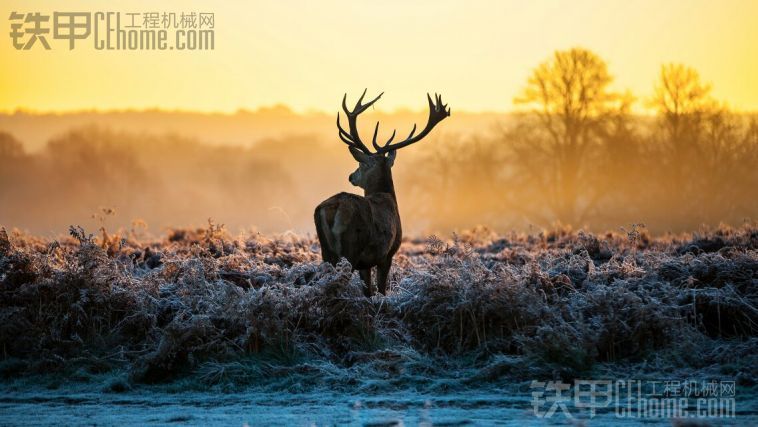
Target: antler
352, 138
437, 112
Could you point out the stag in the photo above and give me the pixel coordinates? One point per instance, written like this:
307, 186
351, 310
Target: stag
366, 230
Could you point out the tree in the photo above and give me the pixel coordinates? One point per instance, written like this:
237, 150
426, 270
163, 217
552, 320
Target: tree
571, 97
682, 100
701, 161
13, 163
11, 149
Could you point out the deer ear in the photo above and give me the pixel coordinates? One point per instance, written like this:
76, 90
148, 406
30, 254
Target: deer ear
391, 157
359, 155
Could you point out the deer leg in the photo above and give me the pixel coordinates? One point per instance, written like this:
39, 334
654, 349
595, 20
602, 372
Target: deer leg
366, 277
325, 237
383, 271
339, 227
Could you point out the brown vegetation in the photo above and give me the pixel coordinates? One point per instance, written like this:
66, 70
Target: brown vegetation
257, 309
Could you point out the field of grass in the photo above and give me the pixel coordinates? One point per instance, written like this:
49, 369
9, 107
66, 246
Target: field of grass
201, 308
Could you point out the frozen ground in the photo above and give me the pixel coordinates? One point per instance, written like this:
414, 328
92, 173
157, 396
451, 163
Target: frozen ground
61, 407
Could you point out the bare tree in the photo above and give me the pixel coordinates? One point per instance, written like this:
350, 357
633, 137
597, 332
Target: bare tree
570, 96
681, 100
699, 160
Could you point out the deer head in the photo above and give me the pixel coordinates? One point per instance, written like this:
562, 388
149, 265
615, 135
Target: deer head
373, 173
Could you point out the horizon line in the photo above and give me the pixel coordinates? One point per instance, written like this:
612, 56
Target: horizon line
240, 110
281, 107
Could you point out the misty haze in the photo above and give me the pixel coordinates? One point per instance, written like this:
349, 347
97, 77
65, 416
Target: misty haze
591, 165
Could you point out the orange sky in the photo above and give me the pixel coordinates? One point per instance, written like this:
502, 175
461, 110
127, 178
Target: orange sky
306, 54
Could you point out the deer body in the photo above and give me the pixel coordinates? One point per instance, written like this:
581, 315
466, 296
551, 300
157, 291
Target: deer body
366, 230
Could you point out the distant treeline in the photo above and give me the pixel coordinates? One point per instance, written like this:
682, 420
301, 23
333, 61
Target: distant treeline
574, 154
96, 177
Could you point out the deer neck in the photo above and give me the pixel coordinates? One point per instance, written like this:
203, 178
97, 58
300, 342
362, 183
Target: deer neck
382, 185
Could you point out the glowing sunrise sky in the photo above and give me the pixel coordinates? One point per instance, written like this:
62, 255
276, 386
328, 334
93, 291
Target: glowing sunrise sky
305, 54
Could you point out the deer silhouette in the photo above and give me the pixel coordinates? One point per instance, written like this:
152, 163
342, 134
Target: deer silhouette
366, 229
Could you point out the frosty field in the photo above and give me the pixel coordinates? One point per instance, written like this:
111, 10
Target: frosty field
200, 327
504, 408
